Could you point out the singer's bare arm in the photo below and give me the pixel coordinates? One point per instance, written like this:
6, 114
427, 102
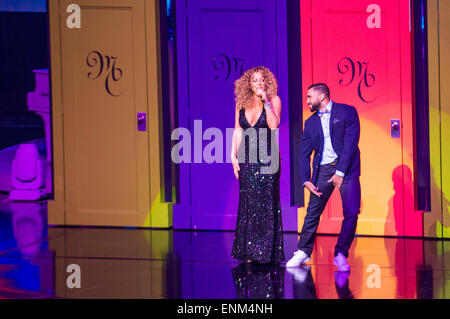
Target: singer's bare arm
274, 113
237, 137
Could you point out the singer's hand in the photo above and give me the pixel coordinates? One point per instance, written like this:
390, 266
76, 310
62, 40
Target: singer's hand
261, 93
236, 167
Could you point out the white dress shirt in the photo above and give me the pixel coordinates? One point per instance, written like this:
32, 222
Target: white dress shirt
328, 154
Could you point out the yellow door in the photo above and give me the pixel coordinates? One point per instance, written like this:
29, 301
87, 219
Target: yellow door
104, 91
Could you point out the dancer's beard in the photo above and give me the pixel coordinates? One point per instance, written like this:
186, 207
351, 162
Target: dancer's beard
314, 107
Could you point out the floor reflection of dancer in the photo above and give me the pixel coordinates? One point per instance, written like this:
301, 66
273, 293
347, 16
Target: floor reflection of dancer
332, 132
304, 286
259, 232
341, 284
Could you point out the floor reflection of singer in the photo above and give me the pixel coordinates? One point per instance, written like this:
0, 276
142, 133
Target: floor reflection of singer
258, 281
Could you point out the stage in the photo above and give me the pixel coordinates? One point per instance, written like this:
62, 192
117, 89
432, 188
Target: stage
37, 261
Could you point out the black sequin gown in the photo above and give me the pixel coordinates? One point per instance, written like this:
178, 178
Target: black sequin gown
259, 232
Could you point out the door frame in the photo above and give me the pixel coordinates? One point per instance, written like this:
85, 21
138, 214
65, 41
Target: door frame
160, 211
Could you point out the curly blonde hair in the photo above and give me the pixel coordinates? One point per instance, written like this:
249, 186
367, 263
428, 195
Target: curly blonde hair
242, 89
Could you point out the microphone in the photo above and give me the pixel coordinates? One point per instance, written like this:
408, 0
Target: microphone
259, 93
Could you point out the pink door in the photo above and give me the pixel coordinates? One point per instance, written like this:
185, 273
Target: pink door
362, 51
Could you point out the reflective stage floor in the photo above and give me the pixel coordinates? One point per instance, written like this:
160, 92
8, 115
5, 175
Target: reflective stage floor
37, 261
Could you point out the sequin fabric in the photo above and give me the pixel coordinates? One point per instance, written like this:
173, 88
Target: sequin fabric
258, 281
259, 232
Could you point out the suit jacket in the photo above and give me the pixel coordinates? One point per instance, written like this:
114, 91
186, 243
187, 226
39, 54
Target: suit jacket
344, 131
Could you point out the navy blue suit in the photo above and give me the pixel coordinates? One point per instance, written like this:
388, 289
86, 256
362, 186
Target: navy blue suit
344, 131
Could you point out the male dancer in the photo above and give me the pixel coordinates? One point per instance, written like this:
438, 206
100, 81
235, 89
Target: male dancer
333, 133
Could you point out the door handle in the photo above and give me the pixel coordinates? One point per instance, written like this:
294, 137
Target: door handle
395, 128
142, 121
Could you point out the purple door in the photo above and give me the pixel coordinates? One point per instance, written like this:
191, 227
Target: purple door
216, 42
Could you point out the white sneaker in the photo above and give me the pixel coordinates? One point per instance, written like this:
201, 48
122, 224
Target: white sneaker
341, 262
299, 258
